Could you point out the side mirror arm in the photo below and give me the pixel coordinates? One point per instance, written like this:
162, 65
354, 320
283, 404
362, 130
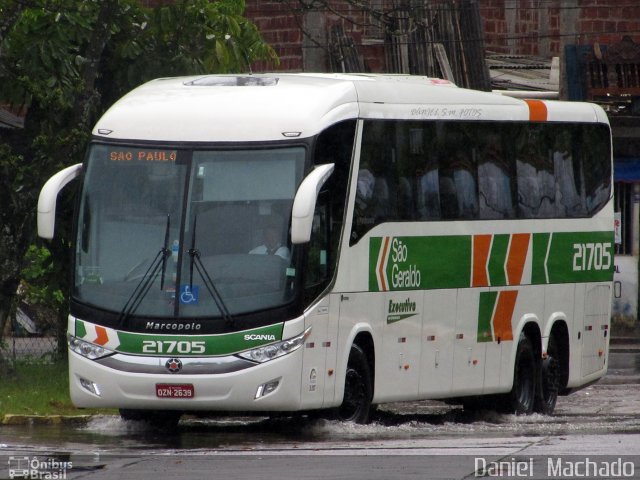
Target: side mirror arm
304, 203
48, 199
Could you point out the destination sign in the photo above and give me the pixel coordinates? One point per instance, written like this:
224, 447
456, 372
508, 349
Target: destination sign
136, 155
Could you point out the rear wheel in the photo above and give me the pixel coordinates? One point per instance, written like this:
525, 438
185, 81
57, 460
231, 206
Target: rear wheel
549, 382
358, 389
522, 396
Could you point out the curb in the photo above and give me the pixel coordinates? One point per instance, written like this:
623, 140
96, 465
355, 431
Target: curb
624, 340
11, 419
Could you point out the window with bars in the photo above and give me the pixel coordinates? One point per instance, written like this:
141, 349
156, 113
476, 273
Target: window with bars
623, 201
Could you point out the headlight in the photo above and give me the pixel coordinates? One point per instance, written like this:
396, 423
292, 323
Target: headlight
87, 349
275, 350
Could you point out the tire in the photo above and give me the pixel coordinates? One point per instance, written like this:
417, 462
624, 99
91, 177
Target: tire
549, 380
358, 389
156, 419
522, 396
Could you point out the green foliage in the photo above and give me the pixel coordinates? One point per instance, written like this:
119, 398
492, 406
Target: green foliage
11, 170
39, 273
184, 38
16, 185
41, 56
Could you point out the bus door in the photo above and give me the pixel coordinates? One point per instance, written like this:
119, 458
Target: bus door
319, 364
318, 379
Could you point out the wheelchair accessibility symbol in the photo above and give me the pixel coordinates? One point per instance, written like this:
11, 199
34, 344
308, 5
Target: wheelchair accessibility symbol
189, 295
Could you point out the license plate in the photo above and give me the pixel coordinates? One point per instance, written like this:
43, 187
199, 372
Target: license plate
172, 390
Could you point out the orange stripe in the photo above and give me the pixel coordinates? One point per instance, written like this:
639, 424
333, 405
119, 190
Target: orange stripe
516, 257
381, 266
537, 111
503, 315
102, 337
481, 246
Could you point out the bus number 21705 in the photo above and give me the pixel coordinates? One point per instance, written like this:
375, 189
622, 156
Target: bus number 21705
173, 346
591, 256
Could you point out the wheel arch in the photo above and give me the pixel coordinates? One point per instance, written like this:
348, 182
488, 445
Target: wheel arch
531, 330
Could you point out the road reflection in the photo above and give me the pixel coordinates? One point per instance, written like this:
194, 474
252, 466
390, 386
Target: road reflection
611, 406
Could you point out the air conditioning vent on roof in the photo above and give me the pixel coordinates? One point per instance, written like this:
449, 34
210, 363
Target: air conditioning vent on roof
244, 81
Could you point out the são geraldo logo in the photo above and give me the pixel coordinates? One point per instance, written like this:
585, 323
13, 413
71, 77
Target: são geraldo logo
404, 275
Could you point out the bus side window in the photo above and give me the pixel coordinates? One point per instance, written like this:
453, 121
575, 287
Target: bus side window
566, 165
334, 145
458, 174
373, 195
494, 179
534, 174
317, 268
596, 167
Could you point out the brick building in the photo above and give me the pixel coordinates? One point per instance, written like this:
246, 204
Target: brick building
301, 35
517, 27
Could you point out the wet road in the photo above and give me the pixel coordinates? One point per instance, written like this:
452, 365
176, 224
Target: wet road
407, 438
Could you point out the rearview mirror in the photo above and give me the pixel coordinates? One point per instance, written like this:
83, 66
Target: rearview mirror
49, 196
304, 203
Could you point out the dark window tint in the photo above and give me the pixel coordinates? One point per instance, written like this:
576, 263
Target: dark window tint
482, 170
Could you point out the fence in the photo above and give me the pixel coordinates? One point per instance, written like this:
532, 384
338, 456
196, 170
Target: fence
29, 340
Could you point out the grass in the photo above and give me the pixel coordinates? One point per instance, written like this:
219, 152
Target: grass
39, 389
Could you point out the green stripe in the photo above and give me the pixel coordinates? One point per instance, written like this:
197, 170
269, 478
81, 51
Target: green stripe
540, 243
181, 345
445, 261
581, 257
398, 317
81, 330
485, 313
224, 344
497, 259
375, 243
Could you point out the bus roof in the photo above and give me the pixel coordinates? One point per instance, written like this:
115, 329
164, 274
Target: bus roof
266, 107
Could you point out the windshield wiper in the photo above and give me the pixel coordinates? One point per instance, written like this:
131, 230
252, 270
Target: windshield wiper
145, 283
196, 261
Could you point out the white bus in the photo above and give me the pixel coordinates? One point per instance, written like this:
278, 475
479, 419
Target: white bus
299, 242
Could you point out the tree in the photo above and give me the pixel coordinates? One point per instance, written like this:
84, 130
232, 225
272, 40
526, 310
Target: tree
64, 62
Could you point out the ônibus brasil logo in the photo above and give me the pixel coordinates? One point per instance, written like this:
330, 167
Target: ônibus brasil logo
402, 275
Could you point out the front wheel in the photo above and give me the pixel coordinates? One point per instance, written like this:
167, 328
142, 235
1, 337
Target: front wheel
358, 389
522, 396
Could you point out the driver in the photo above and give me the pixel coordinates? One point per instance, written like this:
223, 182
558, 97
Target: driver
272, 243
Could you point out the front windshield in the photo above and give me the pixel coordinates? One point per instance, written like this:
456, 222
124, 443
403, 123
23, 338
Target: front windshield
179, 233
